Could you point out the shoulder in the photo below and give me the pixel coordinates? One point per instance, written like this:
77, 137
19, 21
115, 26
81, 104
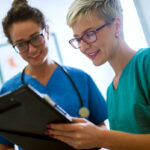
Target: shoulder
73, 69
76, 72
143, 58
141, 64
11, 84
143, 54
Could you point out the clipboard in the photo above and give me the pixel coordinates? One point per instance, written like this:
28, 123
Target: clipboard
24, 114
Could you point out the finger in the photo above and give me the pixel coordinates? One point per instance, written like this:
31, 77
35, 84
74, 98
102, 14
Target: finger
66, 126
53, 133
70, 141
79, 120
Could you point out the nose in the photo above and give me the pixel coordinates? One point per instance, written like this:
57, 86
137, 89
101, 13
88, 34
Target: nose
32, 49
84, 46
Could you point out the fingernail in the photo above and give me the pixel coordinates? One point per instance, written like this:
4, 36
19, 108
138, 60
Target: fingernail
48, 126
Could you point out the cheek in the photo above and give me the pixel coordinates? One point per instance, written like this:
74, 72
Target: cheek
44, 52
24, 57
101, 43
106, 41
43, 48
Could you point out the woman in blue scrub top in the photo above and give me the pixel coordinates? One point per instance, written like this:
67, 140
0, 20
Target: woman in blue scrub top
98, 33
26, 30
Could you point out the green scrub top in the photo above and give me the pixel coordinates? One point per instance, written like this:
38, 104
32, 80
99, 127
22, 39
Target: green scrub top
129, 104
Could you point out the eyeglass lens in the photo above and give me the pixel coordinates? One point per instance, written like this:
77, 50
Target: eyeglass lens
35, 41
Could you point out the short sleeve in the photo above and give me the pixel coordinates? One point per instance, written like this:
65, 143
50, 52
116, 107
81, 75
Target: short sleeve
147, 64
5, 141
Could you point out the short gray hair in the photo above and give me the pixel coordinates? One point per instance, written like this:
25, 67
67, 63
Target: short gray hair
104, 9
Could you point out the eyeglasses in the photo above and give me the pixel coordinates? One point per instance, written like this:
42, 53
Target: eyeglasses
35, 41
88, 37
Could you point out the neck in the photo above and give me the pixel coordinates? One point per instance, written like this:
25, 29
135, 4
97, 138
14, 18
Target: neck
120, 59
41, 70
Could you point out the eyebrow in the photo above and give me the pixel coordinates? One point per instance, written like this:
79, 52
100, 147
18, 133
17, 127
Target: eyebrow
21, 40
85, 31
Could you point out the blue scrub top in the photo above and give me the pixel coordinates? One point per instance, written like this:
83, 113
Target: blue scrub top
61, 90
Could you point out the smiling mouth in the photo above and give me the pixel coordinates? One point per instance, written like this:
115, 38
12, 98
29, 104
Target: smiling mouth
93, 55
35, 57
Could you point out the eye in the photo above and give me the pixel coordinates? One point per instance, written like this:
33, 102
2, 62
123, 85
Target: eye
78, 40
21, 45
89, 35
36, 38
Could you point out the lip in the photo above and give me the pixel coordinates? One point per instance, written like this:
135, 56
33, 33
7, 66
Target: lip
35, 57
93, 54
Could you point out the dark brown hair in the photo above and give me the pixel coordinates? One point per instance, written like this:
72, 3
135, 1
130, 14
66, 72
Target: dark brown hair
19, 12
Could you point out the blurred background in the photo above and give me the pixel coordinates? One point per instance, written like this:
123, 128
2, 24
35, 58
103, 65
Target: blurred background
136, 31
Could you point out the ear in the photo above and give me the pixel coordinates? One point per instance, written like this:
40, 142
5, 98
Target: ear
47, 31
118, 27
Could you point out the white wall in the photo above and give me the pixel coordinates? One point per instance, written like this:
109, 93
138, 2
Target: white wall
143, 7
55, 12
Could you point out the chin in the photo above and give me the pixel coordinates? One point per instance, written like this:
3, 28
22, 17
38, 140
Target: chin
98, 63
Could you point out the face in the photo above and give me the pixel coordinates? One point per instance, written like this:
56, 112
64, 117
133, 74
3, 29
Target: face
29, 31
102, 49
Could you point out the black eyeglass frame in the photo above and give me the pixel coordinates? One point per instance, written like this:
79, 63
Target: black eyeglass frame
30, 42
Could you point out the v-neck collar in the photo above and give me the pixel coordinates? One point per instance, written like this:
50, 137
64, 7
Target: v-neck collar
34, 81
123, 72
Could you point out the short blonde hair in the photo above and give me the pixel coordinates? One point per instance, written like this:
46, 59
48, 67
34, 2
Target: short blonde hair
104, 9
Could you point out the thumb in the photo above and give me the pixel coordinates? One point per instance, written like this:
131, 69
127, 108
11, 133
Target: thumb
79, 120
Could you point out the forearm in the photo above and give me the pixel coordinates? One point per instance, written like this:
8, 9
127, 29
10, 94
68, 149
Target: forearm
5, 147
83, 134
116, 140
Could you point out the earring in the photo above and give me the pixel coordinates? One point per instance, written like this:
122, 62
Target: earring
116, 35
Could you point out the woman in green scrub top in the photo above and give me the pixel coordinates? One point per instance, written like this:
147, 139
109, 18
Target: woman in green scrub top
98, 32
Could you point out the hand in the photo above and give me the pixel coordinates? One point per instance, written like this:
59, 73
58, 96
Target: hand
81, 134
5, 147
